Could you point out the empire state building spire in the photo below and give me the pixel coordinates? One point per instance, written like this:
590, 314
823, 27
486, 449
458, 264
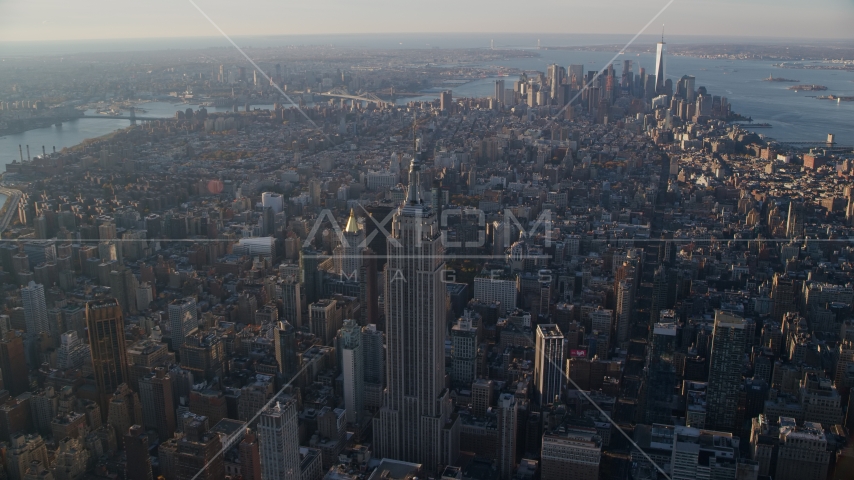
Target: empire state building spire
413, 195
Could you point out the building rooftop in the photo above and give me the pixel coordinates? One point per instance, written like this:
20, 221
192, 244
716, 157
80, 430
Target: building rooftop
395, 470
549, 331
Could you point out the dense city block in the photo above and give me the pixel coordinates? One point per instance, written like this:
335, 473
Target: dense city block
315, 270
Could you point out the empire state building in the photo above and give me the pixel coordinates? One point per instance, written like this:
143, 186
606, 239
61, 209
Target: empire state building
416, 423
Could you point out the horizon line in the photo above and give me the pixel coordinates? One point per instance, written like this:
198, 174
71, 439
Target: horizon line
410, 33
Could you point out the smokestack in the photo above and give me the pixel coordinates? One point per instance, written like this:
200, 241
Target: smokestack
21, 153
28, 153
43, 152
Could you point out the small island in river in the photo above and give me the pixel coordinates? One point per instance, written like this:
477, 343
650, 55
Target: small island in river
808, 88
772, 78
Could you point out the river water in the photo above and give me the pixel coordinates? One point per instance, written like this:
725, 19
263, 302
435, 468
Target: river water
794, 115
75, 131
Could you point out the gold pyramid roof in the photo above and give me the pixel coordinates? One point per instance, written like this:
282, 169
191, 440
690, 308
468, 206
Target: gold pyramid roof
352, 223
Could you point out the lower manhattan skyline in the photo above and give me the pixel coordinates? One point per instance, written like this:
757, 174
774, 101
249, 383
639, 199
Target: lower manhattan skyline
484, 241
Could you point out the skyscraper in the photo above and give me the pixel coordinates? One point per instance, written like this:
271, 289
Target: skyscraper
312, 282
44, 406
783, 295
123, 285
285, 342
350, 252
368, 303
572, 454
548, 363
106, 327
725, 371
209, 403
325, 319
124, 411
155, 394
690, 93
22, 450
659, 66
601, 321
35, 309
445, 99
499, 91
794, 220
625, 297
37, 471
803, 451
508, 412
138, 460
167, 457
659, 296
13, 364
609, 83
199, 452
481, 396
352, 366
701, 453
292, 296
497, 286
143, 356
576, 76
279, 436
182, 319
373, 354
627, 77
70, 459
660, 371
556, 73
332, 426
72, 352
414, 424
254, 396
203, 354
463, 350
249, 452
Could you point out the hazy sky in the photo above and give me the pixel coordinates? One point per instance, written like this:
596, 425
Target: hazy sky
33, 20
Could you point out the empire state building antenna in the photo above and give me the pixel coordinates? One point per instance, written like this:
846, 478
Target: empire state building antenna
413, 195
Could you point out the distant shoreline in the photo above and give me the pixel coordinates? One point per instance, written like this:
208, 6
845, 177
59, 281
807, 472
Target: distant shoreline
396, 41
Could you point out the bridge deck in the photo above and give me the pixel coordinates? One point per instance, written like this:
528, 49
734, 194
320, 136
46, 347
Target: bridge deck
123, 117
